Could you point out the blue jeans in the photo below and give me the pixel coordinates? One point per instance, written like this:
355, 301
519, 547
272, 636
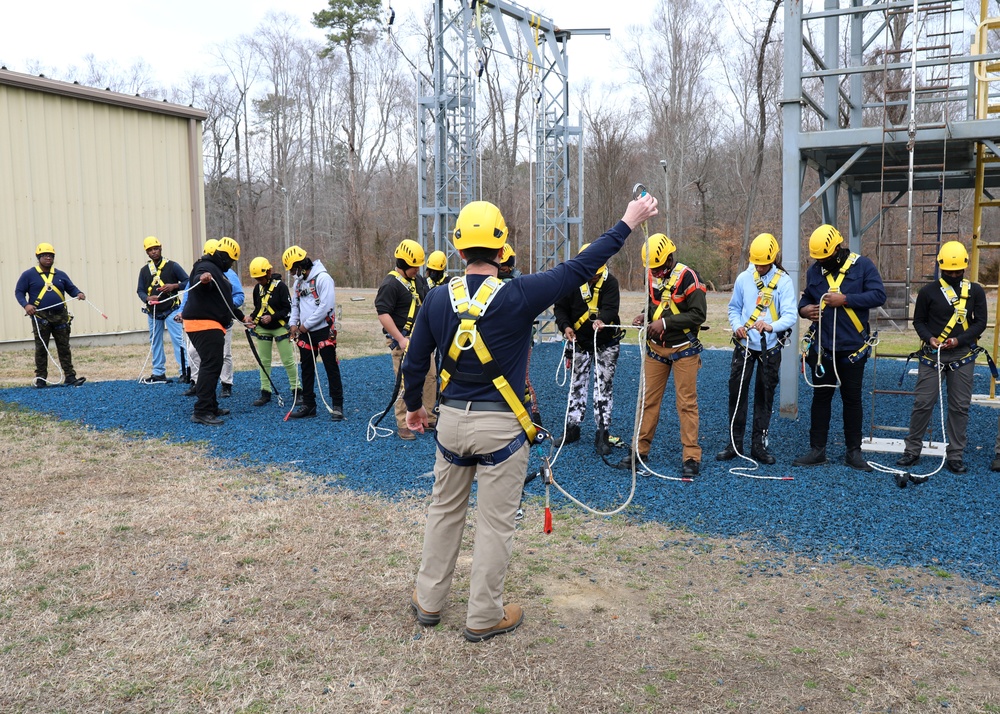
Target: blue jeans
176, 330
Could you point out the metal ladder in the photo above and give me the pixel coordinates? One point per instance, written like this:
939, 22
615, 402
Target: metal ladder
925, 101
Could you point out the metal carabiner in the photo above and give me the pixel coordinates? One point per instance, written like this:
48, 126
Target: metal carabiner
638, 191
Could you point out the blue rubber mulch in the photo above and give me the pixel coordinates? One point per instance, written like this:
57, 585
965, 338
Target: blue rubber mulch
829, 512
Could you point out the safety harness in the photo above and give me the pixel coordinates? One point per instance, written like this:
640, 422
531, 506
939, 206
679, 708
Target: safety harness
765, 301
410, 285
667, 298
590, 297
310, 289
810, 338
47, 279
960, 315
265, 308
470, 309
155, 282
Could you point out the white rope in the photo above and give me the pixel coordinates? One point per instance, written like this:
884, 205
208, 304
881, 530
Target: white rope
62, 375
944, 456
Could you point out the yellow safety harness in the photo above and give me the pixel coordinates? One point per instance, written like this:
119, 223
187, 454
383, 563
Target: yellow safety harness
958, 302
469, 311
265, 298
410, 285
156, 280
765, 298
47, 278
591, 296
834, 284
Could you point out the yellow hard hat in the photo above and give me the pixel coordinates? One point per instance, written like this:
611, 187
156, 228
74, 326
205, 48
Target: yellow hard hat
658, 247
259, 267
480, 225
763, 249
437, 260
43, 248
583, 248
824, 241
151, 242
230, 247
507, 253
291, 256
210, 246
953, 256
411, 252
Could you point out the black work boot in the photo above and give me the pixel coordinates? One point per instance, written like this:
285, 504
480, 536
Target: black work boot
227, 390
759, 452
572, 435
304, 411
856, 460
264, 398
601, 443
814, 457
728, 454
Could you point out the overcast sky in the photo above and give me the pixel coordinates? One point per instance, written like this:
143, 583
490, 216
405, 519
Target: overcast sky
176, 37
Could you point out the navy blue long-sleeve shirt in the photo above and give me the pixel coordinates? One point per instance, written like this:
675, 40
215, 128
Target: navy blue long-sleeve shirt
864, 290
31, 283
505, 328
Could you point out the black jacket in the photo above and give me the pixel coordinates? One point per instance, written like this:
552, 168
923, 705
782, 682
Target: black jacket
210, 301
571, 307
170, 272
280, 302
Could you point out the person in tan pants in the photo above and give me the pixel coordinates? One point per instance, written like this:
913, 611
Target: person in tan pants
485, 429
678, 308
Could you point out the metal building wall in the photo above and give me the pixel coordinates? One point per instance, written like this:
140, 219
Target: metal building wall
94, 176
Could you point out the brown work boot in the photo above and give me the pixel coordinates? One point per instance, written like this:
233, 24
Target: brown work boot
513, 616
405, 434
424, 617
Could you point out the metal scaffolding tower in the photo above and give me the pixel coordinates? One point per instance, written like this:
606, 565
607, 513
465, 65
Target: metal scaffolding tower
448, 132
852, 124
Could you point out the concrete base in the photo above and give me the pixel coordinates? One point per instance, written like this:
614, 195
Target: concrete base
984, 400
110, 339
896, 446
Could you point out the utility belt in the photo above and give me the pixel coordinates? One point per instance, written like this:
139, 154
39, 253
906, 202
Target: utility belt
57, 319
481, 406
162, 308
272, 338
492, 459
782, 338
695, 348
330, 341
928, 356
808, 345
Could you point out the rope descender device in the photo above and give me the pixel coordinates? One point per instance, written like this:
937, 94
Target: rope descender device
638, 191
546, 473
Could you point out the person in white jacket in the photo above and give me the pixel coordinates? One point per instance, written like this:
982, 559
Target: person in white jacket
761, 311
312, 325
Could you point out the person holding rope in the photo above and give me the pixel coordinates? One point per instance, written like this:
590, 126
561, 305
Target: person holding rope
41, 291
437, 269
194, 362
208, 314
949, 317
762, 311
581, 316
398, 303
159, 282
268, 323
483, 327
678, 308
312, 323
841, 287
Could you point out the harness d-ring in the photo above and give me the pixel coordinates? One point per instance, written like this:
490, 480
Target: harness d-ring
473, 336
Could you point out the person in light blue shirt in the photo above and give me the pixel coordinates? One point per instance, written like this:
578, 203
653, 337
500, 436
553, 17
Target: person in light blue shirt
761, 312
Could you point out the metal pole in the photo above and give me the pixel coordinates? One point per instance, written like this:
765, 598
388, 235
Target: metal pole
666, 194
288, 224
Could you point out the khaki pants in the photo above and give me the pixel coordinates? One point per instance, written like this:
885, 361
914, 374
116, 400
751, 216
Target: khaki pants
497, 497
685, 371
429, 397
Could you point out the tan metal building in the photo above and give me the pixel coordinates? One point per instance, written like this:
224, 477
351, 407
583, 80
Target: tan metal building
94, 172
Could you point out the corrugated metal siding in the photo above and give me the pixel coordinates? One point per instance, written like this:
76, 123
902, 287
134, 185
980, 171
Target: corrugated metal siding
93, 179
